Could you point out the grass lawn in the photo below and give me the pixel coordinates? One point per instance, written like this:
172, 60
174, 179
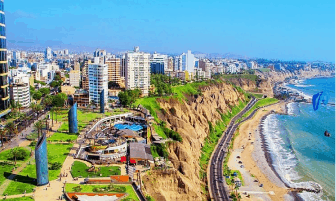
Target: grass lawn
151, 104
25, 180
89, 189
260, 103
5, 155
64, 137
21, 199
5, 170
80, 169
57, 153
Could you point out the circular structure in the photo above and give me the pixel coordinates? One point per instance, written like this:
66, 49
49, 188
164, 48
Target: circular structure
133, 127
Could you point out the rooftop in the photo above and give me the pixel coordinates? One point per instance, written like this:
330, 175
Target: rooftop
140, 151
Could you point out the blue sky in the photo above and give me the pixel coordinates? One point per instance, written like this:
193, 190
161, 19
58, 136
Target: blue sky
286, 29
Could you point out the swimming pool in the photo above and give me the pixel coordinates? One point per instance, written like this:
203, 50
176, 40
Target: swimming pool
133, 127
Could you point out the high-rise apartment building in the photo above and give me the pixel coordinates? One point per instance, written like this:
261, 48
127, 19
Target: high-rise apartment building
137, 70
48, 53
188, 62
99, 53
74, 78
85, 74
170, 64
123, 66
113, 70
178, 63
98, 81
159, 63
4, 95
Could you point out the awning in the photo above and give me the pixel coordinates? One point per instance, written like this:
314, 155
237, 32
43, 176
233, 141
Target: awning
123, 159
132, 161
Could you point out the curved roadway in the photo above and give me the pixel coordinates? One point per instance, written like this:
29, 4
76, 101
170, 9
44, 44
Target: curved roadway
217, 184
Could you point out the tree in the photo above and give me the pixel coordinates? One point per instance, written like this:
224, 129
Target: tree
37, 95
17, 154
44, 91
2, 133
48, 100
129, 97
59, 100
38, 126
11, 128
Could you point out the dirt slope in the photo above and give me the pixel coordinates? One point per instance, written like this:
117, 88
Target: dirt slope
190, 120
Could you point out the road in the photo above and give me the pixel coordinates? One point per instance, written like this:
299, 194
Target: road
21, 137
217, 185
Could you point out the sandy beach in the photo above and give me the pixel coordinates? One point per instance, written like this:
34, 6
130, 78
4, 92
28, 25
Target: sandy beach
255, 169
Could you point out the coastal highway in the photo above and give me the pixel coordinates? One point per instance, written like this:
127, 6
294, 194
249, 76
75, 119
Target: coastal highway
217, 185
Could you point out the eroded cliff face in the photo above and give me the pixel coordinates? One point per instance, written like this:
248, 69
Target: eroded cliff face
262, 86
274, 77
190, 119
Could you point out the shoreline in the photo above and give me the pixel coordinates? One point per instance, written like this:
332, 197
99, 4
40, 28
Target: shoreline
255, 164
269, 160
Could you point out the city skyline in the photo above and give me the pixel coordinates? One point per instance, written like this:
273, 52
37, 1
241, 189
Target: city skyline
278, 30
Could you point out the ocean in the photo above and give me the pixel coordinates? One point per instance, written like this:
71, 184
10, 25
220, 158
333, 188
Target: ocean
301, 154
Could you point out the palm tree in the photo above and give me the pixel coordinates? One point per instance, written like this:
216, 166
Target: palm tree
25, 118
52, 116
38, 126
18, 105
38, 110
11, 128
2, 133
47, 101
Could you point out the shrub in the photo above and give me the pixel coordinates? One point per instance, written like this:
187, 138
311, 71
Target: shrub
172, 134
56, 166
77, 189
159, 150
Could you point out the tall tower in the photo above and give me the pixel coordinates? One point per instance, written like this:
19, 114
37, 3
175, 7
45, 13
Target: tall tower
72, 119
4, 96
41, 160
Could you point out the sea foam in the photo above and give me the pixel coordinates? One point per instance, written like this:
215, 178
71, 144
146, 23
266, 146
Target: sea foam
284, 160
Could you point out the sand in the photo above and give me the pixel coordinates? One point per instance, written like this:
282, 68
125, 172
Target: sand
254, 161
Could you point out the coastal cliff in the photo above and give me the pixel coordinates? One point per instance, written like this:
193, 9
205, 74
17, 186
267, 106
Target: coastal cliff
274, 77
190, 118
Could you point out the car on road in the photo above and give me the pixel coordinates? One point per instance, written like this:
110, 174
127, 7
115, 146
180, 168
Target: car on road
240, 162
261, 185
241, 166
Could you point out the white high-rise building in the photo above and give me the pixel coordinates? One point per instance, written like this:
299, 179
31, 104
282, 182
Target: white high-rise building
19, 87
98, 81
48, 53
137, 68
188, 62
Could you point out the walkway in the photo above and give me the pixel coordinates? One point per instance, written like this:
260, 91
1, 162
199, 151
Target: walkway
17, 196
